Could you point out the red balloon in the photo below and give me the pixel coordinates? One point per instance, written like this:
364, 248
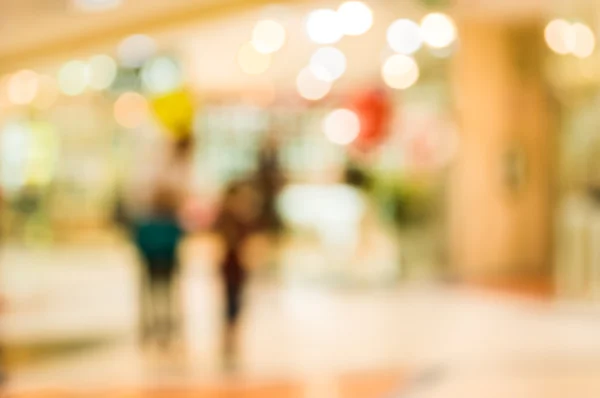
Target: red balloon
374, 110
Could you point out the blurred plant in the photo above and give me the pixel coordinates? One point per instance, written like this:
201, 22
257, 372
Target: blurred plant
358, 177
407, 202
435, 3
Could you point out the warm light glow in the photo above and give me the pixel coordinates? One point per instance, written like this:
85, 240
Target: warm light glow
253, 62
356, 18
4, 102
400, 71
438, 30
96, 5
268, 36
328, 64
341, 126
73, 77
15, 147
585, 41
404, 36
135, 50
310, 86
161, 75
103, 71
324, 26
131, 110
47, 93
559, 36
262, 96
442, 52
565, 38
23, 87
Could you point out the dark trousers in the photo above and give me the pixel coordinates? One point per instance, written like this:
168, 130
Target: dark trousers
233, 302
159, 318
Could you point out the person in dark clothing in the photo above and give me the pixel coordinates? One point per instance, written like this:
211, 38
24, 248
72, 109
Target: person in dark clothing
269, 179
238, 220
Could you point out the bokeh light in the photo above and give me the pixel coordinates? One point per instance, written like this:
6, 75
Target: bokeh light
253, 62
341, 126
310, 87
356, 18
135, 50
438, 30
559, 36
442, 53
131, 110
585, 41
97, 5
400, 71
47, 94
404, 36
73, 77
23, 87
4, 102
268, 36
15, 146
103, 71
324, 26
565, 38
161, 75
328, 63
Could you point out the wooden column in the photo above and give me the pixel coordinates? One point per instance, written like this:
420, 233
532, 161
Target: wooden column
501, 186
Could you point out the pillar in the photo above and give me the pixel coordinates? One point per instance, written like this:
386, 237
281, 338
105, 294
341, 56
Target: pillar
501, 184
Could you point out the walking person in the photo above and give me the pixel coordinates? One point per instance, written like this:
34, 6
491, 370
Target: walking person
238, 221
157, 232
269, 180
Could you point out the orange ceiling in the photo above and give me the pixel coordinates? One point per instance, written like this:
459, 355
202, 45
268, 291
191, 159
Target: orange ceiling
32, 30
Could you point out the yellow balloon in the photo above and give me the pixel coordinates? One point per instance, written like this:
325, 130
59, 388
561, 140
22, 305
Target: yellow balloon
175, 111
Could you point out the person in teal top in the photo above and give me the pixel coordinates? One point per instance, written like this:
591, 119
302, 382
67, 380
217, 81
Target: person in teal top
157, 233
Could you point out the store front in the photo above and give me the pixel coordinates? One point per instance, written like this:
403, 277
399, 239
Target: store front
233, 97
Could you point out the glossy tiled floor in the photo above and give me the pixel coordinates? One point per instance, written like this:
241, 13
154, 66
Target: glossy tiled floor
430, 342
360, 385
299, 341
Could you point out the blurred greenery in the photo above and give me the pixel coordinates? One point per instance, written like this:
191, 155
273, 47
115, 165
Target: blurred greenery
435, 3
407, 202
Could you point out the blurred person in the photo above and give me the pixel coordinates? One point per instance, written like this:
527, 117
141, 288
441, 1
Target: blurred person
156, 227
238, 222
27, 204
357, 177
269, 178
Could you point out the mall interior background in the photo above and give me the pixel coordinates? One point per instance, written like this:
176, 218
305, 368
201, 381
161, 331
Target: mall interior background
474, 124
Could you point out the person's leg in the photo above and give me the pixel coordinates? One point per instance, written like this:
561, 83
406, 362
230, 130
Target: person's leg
139, 235
145, 304
154, 309
168, 319
233, 303
176, 305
